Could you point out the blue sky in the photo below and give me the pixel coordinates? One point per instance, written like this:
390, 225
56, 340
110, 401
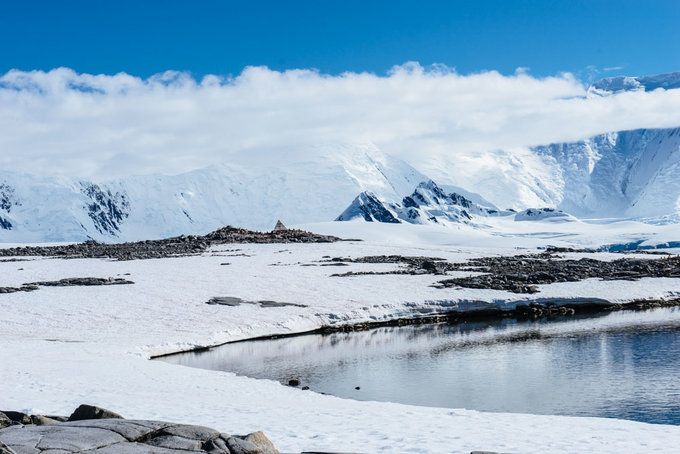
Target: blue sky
219, 37
267, 81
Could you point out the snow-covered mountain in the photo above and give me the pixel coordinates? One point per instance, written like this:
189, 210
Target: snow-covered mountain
628, 174
428, 204
622, 174
36, 208
612, 85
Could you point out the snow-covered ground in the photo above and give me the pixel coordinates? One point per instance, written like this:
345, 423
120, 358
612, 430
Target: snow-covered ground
62, 346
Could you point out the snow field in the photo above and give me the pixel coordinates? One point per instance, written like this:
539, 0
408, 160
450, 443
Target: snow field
63, 346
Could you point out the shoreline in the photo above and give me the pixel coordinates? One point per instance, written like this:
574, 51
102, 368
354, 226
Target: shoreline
533, 311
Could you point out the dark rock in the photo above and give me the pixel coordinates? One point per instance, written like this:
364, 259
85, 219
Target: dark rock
4, 421
169, 247
4, 449
305, 388
5, 224
18, 417
522, 273
216, 446
293, 382
81, 281
234, 301
24, 288
40, 420
107, 210
57, 418
369, 207
261, 441
92, 412
241, 446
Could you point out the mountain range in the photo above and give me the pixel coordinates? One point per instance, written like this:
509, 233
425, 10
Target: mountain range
624, 175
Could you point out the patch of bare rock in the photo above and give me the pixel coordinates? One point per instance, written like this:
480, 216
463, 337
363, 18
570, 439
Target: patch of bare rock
168, 247
234, 301
522, 273
67, 282
92, 429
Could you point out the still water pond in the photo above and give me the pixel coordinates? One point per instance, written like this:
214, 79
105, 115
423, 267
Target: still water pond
619, 365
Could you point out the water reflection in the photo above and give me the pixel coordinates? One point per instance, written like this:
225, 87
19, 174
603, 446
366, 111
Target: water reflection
622, 365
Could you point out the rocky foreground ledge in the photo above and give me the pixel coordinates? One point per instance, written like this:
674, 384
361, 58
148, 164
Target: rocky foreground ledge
92, 429
169, 247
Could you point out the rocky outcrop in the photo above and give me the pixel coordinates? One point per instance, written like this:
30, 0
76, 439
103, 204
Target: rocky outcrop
4, 421
368, 207
523, 273
92, 412
82, 281
7, 197
5, 224
427, 204
96, 430
169, 247
541, 214
67, 282
106, 209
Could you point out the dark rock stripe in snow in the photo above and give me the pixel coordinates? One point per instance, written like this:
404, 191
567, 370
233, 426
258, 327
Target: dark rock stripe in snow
169, 247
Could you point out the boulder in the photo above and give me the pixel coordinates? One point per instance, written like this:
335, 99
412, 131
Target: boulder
18, 417
92, 412
115, 435
40, 420
57, 418
4, 421
241, 446
261, 441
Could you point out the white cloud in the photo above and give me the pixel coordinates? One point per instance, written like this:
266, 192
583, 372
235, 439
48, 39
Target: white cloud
105, 126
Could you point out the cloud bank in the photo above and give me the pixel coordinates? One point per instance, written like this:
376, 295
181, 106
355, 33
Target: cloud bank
105, 126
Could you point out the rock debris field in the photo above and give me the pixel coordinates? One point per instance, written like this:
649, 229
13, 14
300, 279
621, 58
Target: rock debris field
168, 247
522, 273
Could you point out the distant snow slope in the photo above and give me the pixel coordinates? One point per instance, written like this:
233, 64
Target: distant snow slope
619, 174
611, 85
60, 209
623, 174
629, 174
